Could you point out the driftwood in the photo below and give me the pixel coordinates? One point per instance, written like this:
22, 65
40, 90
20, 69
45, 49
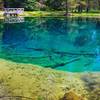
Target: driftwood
63, 64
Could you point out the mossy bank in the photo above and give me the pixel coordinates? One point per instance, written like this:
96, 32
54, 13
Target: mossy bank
55, 14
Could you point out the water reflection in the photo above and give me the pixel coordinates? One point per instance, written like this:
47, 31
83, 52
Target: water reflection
60, 43
14, 19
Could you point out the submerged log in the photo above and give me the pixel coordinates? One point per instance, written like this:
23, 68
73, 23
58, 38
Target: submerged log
63, 64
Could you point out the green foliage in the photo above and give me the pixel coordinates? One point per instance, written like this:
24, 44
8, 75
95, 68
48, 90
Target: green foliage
27, 4
54, 4
61, 5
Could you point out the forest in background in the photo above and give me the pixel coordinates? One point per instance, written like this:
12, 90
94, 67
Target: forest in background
56, 5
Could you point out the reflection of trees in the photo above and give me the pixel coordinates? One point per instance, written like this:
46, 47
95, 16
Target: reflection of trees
56, 26
83, 30
14, 33
1, 32
1, 29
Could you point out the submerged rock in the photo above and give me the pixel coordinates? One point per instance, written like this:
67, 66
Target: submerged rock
71, 95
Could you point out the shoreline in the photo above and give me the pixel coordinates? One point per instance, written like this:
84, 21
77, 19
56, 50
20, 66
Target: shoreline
26, 80
55, 14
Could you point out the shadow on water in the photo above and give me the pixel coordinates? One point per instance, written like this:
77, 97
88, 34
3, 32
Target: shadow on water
53, 42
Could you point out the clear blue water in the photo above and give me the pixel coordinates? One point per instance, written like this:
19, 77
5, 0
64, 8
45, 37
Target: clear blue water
69, 44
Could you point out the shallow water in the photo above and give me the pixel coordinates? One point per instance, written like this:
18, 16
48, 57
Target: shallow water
28, 82
69, 44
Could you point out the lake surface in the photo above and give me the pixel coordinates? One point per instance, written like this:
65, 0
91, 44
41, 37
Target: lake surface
68, 44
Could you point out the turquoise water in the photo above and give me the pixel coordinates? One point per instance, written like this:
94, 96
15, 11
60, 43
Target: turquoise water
69, 44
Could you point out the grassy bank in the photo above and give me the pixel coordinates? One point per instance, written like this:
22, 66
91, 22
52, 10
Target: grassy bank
32, 82
55, 14
60, 14
1, 14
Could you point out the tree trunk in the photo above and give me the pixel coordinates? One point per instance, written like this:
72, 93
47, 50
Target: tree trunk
98, 4
87, 6
66, 7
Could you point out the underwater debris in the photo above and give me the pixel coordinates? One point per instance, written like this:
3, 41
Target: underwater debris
71, 53
63, 64
88, 64
36, 49
65, 53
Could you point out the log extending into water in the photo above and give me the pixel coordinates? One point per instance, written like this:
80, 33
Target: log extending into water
72, 54
66, 53
80, 54
63, 64
36, 49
